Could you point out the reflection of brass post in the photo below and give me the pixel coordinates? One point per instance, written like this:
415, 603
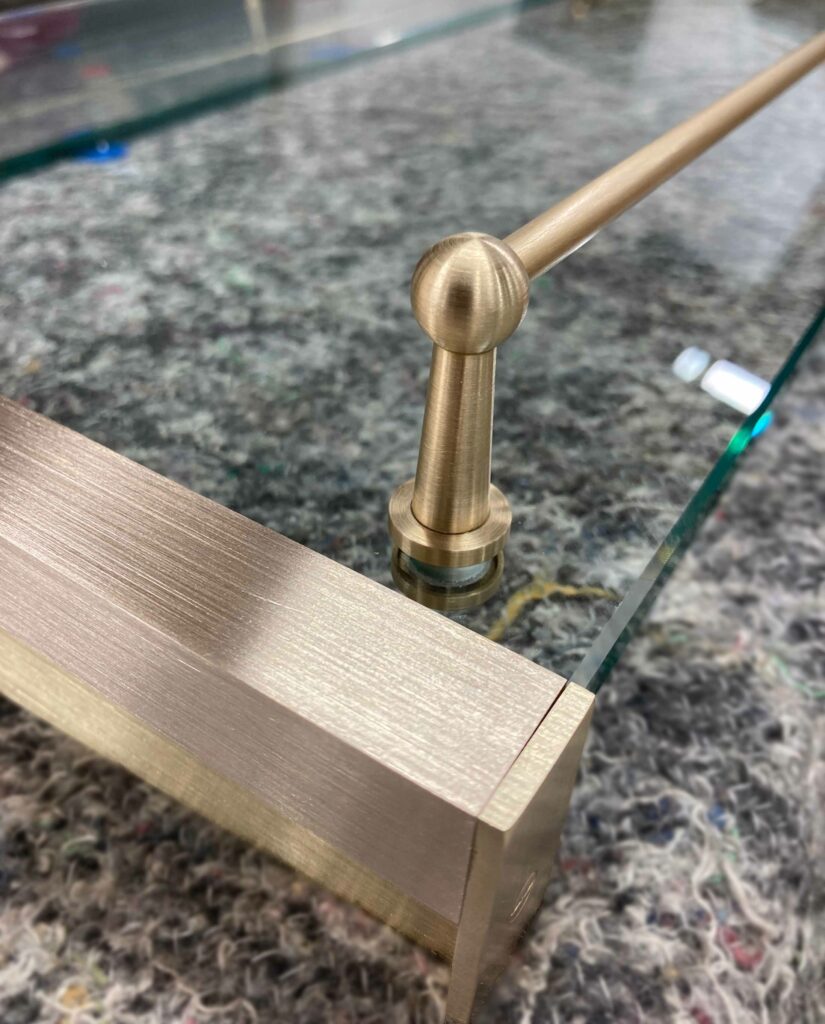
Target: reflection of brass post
469, 293
449, 524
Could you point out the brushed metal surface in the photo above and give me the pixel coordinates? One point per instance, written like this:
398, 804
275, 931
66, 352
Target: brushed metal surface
514, 850
452, 479
447, 549
469, 293
375, 724
37, 684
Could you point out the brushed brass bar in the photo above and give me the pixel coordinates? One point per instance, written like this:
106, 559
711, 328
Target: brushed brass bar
469, 293
327, 696
565, 227
386, 752
516, 841
34, 682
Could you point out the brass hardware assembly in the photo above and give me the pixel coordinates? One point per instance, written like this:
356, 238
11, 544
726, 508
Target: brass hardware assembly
469, 293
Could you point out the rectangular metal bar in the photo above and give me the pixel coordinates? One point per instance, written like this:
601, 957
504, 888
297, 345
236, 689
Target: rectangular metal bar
378, 728
50, 693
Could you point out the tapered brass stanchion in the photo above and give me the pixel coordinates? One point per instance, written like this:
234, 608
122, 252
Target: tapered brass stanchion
449, 524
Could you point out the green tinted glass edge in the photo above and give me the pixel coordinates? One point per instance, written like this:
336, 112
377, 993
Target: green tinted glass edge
596, 665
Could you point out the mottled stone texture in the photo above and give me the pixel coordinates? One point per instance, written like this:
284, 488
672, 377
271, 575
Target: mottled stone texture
228, 306
691, 870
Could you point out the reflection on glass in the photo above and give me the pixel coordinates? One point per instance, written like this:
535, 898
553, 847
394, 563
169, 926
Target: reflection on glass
596, 665
69, 71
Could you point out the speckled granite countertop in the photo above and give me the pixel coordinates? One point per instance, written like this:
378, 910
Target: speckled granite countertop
228, 304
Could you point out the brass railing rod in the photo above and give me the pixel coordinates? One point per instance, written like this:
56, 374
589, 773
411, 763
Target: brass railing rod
469, 293
565, 227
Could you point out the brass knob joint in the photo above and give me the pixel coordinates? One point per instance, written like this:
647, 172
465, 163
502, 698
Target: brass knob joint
449, 524
469, 293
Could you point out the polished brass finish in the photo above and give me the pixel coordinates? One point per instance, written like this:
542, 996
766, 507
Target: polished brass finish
470, 292
452, 481
357, 736
565, 227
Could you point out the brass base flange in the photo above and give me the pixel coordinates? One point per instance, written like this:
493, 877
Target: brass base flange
446, 599
449, 550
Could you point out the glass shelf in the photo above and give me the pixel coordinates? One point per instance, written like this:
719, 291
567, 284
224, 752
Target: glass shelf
225, 299
73, 71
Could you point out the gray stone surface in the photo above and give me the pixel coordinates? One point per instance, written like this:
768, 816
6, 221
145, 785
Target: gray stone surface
228, 306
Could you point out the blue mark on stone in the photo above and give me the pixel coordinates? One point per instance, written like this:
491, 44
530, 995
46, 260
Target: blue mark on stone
103, 152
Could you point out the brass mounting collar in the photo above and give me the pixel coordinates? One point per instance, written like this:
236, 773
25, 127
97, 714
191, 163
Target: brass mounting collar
450, 550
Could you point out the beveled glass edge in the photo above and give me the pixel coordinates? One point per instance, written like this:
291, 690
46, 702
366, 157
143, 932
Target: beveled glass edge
603, 654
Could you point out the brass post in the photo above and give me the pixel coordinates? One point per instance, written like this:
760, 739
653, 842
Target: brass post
452, 481
449, 524
469, 293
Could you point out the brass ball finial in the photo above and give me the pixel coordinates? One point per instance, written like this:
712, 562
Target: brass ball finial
469, 292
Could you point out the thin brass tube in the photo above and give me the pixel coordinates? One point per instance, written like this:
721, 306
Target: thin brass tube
565, 227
